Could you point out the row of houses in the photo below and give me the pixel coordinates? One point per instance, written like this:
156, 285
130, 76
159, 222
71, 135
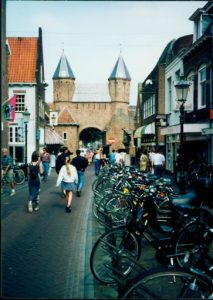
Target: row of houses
157, 122
157, 118
23, 76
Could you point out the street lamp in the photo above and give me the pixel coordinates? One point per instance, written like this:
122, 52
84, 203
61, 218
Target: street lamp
26, 118
126, 139
182, 88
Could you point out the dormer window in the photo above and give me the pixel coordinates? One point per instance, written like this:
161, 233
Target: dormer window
202, 21
197, 30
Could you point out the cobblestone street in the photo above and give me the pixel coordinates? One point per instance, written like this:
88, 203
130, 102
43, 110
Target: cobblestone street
46, 254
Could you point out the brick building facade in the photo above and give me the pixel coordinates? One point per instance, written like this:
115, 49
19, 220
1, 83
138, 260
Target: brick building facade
77, 107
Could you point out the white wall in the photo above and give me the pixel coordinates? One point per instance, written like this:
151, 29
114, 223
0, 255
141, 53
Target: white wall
29, 92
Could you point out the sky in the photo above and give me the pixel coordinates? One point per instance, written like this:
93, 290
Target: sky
94, 33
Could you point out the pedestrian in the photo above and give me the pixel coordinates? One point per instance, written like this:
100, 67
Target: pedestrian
112, 158
97, 158
150, 156
35, 170
158, 162
103, 160
7, 169
60, 161
144, 161
45, 158
80, 162
52, 160
69, 177
118, 158
123, 156
90, 157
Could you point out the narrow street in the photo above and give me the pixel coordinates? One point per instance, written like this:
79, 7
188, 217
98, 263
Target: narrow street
45, 254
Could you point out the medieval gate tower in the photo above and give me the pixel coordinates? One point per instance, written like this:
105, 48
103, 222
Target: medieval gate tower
77, 107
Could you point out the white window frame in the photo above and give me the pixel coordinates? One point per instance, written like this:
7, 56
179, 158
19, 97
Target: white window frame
15, 136
149, 107
189, 105
20, 102
169, 89
13, 149
202, 87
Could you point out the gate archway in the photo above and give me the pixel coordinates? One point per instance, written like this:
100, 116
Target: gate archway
91, 138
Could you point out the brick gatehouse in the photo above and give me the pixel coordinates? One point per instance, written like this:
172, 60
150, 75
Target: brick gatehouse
101, 107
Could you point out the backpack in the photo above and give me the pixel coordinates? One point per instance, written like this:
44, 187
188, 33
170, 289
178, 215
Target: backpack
34, 171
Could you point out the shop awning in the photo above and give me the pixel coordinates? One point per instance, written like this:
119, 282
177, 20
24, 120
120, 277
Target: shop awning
187, 128
147, 129
52, 137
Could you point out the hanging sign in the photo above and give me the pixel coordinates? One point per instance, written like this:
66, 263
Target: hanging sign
8, 108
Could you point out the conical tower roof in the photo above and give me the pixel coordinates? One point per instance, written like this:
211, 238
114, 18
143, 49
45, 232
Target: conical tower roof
63, 69
120, 70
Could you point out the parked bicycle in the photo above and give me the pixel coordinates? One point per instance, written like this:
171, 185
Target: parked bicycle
18, 176
193, 281
117, 250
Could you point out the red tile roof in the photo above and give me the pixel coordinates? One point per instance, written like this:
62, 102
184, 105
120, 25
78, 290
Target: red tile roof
23, 58
65, 117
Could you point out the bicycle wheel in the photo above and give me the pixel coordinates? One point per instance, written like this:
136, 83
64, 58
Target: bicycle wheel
98, 204
115, 251
19, 176
165, 284
192, 241
119, 209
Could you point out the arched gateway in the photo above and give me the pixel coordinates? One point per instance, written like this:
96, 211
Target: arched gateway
95, 112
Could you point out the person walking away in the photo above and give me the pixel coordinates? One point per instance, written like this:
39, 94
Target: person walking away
45, 158
123, 156
52, 160
144, 161
35, 170
103, 160
112, 158
89, 157
60, 161
118, 158
80, 163
158, 162
69, 177
150, 156
97, 158
7, 169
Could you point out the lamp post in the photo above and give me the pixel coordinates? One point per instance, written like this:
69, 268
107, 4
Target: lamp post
126, 140
26, 118
182, 88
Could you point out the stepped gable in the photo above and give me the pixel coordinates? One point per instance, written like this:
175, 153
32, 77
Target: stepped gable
120, 70
63, 69
65, 117
22, 62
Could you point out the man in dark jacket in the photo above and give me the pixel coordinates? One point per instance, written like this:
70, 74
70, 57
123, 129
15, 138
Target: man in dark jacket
80, 163
60, 161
